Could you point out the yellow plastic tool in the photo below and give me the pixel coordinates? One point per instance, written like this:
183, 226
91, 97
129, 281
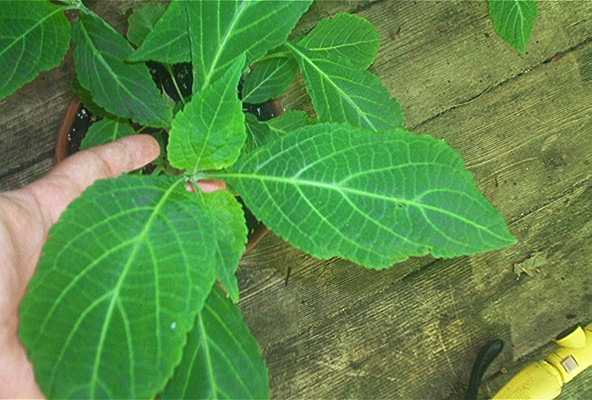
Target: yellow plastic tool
543, 380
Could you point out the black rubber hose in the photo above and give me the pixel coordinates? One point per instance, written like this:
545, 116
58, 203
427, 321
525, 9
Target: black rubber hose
486, 355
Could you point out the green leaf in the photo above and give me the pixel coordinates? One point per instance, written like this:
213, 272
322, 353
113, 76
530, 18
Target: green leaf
104, 131
34, 37
260, 132
222, 30
87, 101
222, 359
345, 38
288, 122
231, 236
210, 131
268, 79
514, 21
341, 93
122, 276
125, 90
168, 41
142, 21
373, 198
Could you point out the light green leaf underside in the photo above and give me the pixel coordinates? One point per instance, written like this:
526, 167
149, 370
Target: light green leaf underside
123, 89
345, 38
268, 79
142, 21
221, 30
122, 276
34, 37
341, 93
210, 131
260, 132
221, 359
104, 131
514, 20
231, 236
373, 198
168, 41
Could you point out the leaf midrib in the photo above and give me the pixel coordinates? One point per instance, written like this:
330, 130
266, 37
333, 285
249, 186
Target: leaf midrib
40, 22
327, 78
140, 238
343, 190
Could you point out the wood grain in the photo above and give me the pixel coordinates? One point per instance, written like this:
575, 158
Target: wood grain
331, 329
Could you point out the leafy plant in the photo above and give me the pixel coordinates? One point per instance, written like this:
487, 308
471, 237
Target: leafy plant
514, 21
124, 302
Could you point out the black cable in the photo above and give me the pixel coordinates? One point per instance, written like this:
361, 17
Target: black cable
486, 355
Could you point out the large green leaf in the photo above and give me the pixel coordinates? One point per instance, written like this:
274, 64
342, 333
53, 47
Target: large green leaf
123, 89
104, 131
210, 131
345, 38
373, 198
342, 93
268, 79
221, 359
122, 276
34, 37
230, 229
221, 30
168, 41
142, 21
514, 20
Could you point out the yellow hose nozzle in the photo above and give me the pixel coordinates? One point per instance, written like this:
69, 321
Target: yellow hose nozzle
543, 380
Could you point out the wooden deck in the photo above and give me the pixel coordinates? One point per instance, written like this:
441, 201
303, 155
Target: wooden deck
524, 126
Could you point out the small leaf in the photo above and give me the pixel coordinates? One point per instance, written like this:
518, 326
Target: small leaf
231, 236
346, 38
258, 133
87, 101
268, 79
222, 30
34, 37
341, 93
514, 20
373, 198
104, 131
168, 41
210, 131
123, 275
142, 21
288, 122
123, 89
222, 359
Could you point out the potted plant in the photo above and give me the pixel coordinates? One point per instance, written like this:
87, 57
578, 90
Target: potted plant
135, 294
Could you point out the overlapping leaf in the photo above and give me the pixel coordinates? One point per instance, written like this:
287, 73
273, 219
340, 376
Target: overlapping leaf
346, 38
210, 131
373, 198
104, 131
514, 20
230, 230
260, 132
122, 276
221, 30
123, 89
221, 359
168, 41
268, 79
342, 93
142, 21
34, 37
288, 122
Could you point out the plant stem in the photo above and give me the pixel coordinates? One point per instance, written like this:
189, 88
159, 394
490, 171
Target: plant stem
170, 71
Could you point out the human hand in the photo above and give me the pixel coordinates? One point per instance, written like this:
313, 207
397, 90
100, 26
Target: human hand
26, 215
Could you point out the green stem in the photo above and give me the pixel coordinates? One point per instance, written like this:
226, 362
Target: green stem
170, 71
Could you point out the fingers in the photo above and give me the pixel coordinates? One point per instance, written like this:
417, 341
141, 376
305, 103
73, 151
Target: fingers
71, 177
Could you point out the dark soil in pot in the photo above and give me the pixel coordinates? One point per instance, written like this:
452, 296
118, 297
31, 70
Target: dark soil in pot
79, 118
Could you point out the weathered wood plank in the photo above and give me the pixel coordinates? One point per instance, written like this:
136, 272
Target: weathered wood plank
346, 332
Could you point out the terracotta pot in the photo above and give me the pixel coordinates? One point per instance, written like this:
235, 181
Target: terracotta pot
62, 150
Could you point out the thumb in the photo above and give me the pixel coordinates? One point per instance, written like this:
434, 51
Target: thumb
71, 177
